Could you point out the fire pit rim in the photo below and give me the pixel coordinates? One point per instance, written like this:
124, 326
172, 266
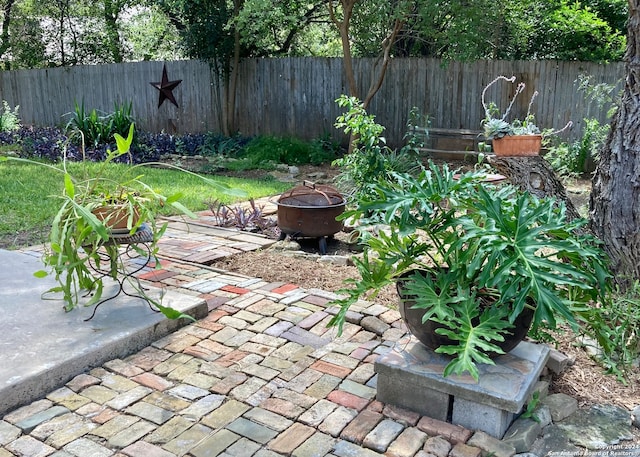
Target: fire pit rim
333, 205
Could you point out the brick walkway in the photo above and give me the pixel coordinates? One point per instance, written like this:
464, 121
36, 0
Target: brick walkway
260, 376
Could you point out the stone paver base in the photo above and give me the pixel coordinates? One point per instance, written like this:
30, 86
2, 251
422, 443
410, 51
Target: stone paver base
411, 377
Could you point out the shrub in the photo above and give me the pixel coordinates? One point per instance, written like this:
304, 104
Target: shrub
370, 159
575, 159
265, 152
9, 120
210, 144
291, 151
618, 342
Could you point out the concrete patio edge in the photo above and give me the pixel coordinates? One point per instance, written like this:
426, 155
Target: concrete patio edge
40, 358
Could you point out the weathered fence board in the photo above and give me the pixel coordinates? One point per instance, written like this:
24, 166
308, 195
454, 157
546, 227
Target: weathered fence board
296, 96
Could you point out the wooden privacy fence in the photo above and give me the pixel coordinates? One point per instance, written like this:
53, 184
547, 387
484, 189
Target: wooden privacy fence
296, 96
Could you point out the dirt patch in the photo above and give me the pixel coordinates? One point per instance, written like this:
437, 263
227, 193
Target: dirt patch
305, 267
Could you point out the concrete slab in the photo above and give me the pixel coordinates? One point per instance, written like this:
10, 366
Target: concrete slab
42, 347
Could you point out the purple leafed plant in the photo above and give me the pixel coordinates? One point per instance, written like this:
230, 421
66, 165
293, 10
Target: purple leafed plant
241, 217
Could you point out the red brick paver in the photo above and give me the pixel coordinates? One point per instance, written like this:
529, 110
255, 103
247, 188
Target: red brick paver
434, 427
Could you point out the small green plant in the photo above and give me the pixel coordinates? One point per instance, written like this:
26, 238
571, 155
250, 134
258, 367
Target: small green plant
573, 159
120, 120
89, 124
9, 119
618, 332
417, 129
370, 159
529, 412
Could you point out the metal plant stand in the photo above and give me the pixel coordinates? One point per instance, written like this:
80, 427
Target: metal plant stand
112, 262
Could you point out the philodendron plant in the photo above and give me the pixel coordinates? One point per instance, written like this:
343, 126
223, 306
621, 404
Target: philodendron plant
485, 253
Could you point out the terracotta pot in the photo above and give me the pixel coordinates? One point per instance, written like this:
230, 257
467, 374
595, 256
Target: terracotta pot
517, 145
426, 332
115, 217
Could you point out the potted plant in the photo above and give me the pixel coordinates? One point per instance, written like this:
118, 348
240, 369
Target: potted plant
95, 209
519, 137
474, 260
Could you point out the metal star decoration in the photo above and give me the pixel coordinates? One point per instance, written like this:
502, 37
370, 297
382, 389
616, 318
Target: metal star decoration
166, 87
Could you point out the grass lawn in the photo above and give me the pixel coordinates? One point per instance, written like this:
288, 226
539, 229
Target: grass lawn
28, 192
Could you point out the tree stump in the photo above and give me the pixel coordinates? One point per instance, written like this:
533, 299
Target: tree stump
535, 175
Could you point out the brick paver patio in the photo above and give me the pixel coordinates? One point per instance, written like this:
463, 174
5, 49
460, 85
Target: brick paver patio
262, 375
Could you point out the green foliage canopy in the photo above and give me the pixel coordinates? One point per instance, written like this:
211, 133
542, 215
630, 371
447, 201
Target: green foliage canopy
69, 32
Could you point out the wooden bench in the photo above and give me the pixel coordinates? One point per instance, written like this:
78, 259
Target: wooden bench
449, 144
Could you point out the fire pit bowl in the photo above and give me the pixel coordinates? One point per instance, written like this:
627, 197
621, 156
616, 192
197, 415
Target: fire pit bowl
310, 211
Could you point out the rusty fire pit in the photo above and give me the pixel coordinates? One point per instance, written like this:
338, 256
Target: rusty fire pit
310, 211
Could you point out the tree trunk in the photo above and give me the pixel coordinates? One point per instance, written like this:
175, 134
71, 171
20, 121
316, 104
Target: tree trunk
4, 32
230, 124
343, 27
111, 12
615, 196
535, 175
378, 71
385, 58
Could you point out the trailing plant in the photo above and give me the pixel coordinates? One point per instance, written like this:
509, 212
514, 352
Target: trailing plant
78, 235
482, 255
